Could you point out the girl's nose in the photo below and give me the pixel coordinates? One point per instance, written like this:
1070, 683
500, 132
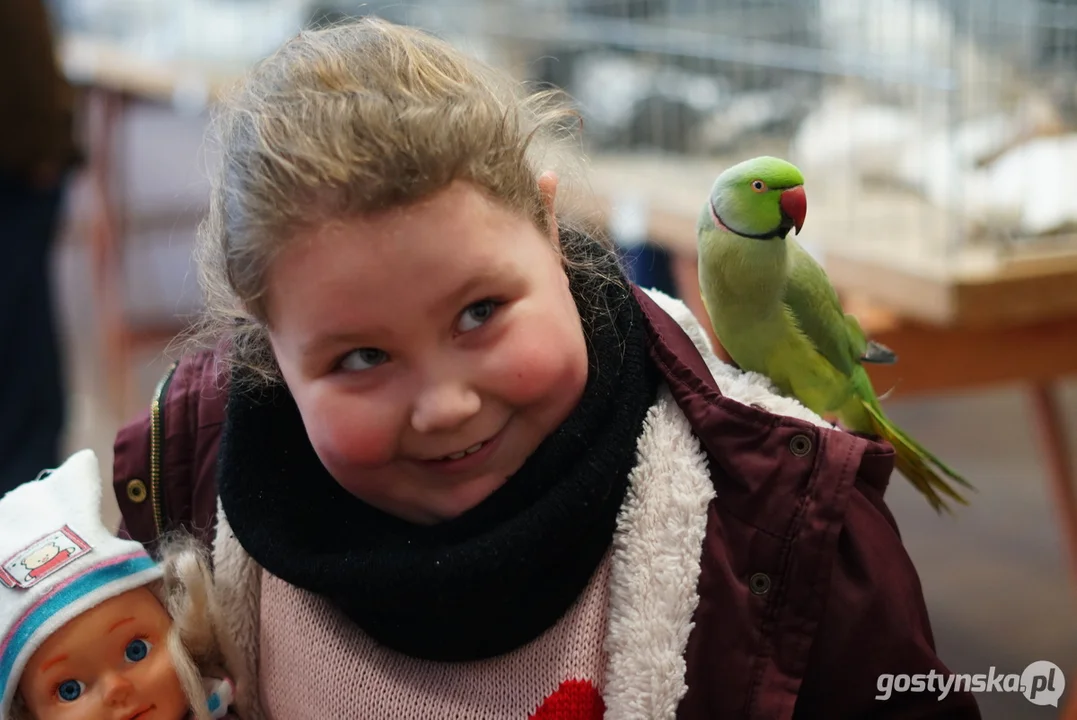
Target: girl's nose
444, 406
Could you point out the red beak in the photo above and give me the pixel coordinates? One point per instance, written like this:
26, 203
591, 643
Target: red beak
794, 203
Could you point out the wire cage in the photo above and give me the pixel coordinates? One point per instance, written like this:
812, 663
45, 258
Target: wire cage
934, 134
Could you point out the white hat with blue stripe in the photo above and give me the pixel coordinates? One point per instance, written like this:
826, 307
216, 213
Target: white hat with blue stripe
57, 560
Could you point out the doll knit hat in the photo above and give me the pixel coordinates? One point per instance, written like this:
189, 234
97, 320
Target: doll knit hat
57, 560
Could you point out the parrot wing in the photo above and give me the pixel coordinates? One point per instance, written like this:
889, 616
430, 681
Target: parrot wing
815, 307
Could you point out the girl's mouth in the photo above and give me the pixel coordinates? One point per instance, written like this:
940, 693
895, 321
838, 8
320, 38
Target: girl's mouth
463, 453
468, 458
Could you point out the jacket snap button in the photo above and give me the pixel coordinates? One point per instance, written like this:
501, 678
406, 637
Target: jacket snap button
136, 491
800, 445
759, 583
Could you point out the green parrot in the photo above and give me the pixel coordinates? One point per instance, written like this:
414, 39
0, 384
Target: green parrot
775, 312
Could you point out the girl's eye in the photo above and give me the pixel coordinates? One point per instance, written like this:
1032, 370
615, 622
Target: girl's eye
69, 690
477, 314
759, 185
137, 650
363, 359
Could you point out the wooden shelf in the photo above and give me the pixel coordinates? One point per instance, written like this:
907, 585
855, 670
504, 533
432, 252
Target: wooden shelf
890, 249
1017, 293
101, 63
878, 242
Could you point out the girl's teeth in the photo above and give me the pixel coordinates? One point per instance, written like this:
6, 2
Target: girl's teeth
458, 455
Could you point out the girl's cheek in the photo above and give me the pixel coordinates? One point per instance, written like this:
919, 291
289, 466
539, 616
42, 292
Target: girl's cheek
534, 363
346, 433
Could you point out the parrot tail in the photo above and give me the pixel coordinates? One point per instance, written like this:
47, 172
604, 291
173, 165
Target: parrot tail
914, 461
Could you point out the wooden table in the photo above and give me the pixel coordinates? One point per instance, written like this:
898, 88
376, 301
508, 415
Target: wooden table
110, 80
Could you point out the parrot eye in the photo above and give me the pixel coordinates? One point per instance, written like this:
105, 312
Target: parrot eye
759, 185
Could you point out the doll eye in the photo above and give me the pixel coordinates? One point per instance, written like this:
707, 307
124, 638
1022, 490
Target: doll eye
137, 650
69, 690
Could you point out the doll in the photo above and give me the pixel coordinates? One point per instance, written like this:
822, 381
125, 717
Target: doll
90, 625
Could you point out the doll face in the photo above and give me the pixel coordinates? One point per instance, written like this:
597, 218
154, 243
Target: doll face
430, 349
110, 663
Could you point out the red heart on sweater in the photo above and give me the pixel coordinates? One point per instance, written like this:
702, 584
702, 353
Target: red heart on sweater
573, 700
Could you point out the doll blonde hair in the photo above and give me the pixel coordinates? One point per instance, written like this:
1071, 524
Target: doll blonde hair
358, 118
197, 641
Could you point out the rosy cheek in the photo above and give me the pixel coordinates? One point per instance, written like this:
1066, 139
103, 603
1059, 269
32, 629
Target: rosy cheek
347, 432
541, 362
161, 682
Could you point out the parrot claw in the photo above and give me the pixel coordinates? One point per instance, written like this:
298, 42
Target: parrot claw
878, 354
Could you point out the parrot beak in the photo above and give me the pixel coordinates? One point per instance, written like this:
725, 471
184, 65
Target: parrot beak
794, 204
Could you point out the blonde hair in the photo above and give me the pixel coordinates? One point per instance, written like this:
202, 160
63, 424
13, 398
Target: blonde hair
197, 641
362, 117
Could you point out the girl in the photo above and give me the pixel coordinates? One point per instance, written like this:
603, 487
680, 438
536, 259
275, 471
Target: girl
452, 464
90, 625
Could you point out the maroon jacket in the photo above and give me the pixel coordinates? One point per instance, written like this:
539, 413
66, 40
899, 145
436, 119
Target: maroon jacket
806, 592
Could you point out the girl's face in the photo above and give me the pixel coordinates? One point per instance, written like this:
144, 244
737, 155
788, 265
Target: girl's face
430, 349
109, 663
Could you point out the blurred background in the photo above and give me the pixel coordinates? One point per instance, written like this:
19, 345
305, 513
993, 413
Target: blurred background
939, 143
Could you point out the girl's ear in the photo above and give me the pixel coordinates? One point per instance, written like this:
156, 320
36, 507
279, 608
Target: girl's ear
547, 183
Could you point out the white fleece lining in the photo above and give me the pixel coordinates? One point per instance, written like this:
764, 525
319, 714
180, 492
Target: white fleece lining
237, 579
655, 567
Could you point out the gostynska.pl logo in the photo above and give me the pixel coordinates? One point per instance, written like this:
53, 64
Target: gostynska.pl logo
1042, 683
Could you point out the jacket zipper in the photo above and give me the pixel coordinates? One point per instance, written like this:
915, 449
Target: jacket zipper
157, 438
